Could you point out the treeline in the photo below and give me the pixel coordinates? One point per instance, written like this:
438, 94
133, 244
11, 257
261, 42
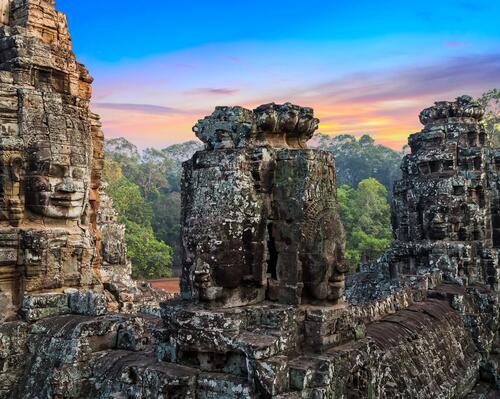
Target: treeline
145, 188
146, 191
357, 159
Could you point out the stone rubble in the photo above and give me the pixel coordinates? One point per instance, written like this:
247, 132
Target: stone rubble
265, 311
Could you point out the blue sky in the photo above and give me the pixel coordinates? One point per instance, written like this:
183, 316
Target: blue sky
365, 66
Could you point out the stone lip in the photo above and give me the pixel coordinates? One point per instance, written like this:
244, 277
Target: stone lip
277, 125
463, 107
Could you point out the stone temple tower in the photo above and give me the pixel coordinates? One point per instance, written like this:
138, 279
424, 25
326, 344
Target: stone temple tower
443, 205
56, 246
260, 218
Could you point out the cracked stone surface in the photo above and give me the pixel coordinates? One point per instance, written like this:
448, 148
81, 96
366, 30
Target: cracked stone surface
260, 215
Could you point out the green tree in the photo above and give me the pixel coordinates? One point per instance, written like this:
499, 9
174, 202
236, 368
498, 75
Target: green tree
112, 171
130, 203
360, 159
491, 101
365, 214
157, 176
151, 258
166, 222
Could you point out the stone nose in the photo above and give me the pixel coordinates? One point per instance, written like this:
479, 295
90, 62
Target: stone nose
67, 186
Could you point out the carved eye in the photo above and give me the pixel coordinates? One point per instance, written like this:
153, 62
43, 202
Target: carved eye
78, 173
40, 184
56, 171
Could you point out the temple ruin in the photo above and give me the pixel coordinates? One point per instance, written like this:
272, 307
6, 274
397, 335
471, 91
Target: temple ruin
266, 310
445, 205
260, 216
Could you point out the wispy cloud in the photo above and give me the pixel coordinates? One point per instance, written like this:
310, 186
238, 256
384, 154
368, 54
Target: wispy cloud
380, 100
213, 91
142, 108
386, 103
449, 76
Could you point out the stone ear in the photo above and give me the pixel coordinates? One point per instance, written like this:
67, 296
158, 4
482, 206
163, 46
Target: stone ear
16, 168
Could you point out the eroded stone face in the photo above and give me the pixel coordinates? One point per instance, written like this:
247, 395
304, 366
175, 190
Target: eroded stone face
260, 217
57, 185
286, 125
280, 126
445, 214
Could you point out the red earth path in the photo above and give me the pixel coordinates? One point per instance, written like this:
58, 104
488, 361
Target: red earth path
170, 285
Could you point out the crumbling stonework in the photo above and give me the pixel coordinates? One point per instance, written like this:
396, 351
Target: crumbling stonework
412, 334
444, 207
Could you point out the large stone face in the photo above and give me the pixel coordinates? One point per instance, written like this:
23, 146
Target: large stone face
260, 215
48, 156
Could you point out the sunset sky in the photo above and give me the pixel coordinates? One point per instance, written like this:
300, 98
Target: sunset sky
364, 66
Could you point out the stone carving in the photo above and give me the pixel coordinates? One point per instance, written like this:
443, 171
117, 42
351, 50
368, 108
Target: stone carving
279, 126
51, 161
259, 211
57, 184
47, 156
286, 125
443, 205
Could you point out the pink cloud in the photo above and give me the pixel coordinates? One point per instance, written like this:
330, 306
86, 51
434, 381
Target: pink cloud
143, 108
384, 103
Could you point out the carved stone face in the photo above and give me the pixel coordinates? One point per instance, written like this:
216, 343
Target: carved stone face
57, 184
437, 226
323, 250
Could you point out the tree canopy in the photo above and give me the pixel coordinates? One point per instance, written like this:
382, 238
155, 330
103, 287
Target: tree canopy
151, 258
358, 159
366, 215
